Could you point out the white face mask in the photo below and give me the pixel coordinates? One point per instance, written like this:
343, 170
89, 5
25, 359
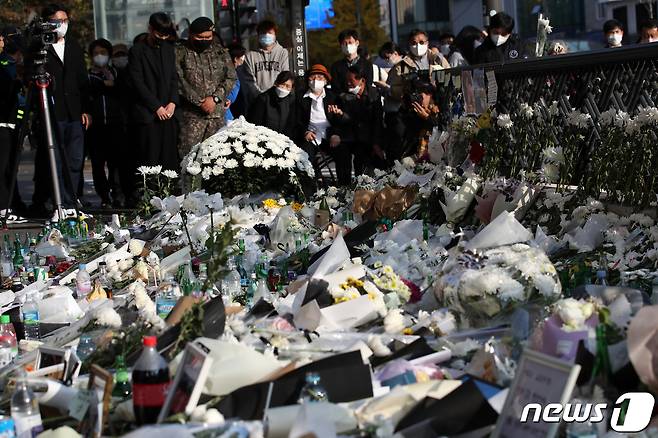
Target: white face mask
355, 90
349, 49
317, 86
282, 92
101, 60
418, 49
614, 39
476, 44
62, 29
445, 49
499, 40
120, 62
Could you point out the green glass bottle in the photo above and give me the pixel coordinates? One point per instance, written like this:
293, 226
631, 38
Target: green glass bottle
122, 387
18, 259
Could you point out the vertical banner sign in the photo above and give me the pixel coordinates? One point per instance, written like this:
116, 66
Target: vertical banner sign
299, 54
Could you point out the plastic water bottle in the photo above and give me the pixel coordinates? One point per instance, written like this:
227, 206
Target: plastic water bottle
601, 278
25, 411
8, 335
150, 383
83, 282
262, 291
85, 348
31, 317
312, 391
252, 290
167, 297
231, 286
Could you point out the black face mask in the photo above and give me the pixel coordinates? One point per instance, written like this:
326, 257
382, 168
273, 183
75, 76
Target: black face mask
201, 45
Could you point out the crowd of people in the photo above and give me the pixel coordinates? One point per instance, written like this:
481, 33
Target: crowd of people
149, 104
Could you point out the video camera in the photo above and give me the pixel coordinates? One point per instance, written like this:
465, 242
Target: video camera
414, 82
41, 33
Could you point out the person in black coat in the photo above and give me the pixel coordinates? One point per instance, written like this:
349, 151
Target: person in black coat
153, 78
319, 118
107, 133
501, 45
349, 45
275, 108
362, 124
70, 95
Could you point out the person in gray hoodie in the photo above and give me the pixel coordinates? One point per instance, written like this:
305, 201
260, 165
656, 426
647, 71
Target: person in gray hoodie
262, 66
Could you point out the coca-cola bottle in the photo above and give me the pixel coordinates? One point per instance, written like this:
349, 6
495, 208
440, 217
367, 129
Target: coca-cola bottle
150, 383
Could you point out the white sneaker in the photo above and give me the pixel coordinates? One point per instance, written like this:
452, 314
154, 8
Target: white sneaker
11, 217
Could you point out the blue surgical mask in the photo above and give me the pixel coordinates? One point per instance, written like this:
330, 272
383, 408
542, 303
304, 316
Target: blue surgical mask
267, 39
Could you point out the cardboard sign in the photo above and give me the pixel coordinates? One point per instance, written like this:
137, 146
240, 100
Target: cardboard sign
539, 379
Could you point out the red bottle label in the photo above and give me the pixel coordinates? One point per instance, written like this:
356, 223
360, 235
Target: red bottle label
150, 394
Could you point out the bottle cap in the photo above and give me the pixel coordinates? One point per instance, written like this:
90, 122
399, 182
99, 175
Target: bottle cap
150, 341
102, 264
4, 319
82, 266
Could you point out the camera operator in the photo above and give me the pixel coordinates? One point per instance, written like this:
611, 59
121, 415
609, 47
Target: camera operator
419, 121
70, 96
11, 116
417, 66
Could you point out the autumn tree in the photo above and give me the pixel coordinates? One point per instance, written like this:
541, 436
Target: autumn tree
362, 15
19, 12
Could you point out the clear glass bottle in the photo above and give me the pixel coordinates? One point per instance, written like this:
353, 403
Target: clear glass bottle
31, 317
252, 290
25, 411
104, 280
313, 391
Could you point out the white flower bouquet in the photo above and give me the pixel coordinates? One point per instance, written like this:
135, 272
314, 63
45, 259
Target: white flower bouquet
245, 158
482, 287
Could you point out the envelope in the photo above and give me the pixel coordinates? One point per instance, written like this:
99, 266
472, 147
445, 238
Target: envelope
348, 314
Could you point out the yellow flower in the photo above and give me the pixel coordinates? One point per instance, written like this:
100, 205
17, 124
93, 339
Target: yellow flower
408, 331
270, 203
340, 300
484, 121
296, 206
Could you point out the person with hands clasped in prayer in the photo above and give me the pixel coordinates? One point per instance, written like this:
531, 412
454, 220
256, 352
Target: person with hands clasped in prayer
152, 71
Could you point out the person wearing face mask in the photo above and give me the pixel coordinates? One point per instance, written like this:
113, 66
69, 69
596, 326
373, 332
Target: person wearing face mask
235, 100
420, 62
362, 127
12, 98
69, 92
419, 123
318, 118
275, 108
262, 66
649, 32
205, 76
107, 133
614, 33
349, 46
501, 44
446, 41
154, 81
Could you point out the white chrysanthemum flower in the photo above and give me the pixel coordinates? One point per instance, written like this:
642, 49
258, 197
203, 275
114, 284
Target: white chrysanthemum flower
231, 163
108, 317
193, 168
504, 121
526, 111
554, 109
579, 119
608, 117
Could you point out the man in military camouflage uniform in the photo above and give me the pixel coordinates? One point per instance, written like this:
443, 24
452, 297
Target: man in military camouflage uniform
205, 76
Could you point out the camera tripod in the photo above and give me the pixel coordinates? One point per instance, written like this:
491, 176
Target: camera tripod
39, 84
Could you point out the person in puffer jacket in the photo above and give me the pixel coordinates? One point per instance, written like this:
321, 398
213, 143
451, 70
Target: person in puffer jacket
263, 65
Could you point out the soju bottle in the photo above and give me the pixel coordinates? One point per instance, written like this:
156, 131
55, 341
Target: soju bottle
122, 388
18, 259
